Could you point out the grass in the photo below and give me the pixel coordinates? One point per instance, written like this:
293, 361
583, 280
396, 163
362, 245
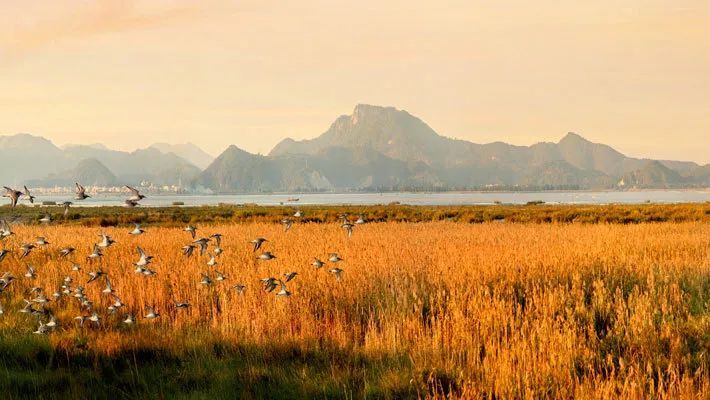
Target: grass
434, 309
532, 213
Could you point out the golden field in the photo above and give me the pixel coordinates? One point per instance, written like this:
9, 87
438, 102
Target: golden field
431, 309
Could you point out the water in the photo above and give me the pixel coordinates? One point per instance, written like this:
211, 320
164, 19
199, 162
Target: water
448, 198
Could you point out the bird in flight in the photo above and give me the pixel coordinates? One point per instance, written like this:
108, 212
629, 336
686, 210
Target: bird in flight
80, 192
13, 195
28, 195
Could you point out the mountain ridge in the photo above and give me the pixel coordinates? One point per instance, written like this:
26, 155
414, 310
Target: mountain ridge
373, 148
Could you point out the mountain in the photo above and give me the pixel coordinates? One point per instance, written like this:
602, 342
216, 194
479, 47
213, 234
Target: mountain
140, 165
384, 148
90, 172
653, 175
187, 151
27, 158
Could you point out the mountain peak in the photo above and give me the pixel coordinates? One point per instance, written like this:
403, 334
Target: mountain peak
573, 137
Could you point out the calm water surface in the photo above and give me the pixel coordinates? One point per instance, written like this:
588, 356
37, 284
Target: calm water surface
448, 198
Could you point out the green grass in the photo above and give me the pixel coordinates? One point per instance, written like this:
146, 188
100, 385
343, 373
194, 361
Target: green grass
535, 213
31, 368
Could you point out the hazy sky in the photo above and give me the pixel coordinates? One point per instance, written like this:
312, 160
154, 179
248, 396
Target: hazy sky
634, 74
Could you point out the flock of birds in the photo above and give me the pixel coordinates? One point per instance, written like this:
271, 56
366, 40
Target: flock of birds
38, 302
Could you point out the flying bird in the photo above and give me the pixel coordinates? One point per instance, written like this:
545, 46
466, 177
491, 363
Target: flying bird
266, 256
191, 229
106, 241
80, 192
136, 196
26, 249
66, 205
28, 195
258, 242
136, 230
13, 195
287, 223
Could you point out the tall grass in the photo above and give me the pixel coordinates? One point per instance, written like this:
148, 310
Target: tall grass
435, 309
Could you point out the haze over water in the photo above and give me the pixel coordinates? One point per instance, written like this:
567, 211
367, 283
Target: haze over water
448, 198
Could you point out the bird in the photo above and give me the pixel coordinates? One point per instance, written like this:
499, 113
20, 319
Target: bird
287, 223
206, 280
317, 263
338, 272
191, 229
217, 238
334, 258
130, 203
30, 272
136, 230
129, 320
3, 254
41, 241
202, 243
81, 319
212, 262
290, 275
220, 276
283, 291
239, 288
269, 284
26, 249
66, 205
182, 305
95, 254
106, 241
42, 329
187, 250
80, 192
12, 194
152, 314
348, 228
5, 230
360, 219
27, 309
52, 323
108, 289
28, 195
40, 299
258, 242
136, 196
66, 251
94, 275
266, 256
298, 214
95, 318
144, 259
46, 219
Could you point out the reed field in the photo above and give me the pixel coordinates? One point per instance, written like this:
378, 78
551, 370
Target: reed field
432, 309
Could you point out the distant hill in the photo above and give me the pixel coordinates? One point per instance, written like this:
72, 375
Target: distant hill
653, 175
373, 149
187, 151
382, 148
33, 159
90, 172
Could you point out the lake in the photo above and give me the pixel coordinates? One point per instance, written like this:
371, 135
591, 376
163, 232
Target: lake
447, 198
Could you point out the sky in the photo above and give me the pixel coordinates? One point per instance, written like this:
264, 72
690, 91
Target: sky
632, 74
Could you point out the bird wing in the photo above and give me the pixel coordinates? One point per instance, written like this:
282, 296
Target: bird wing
133, 190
